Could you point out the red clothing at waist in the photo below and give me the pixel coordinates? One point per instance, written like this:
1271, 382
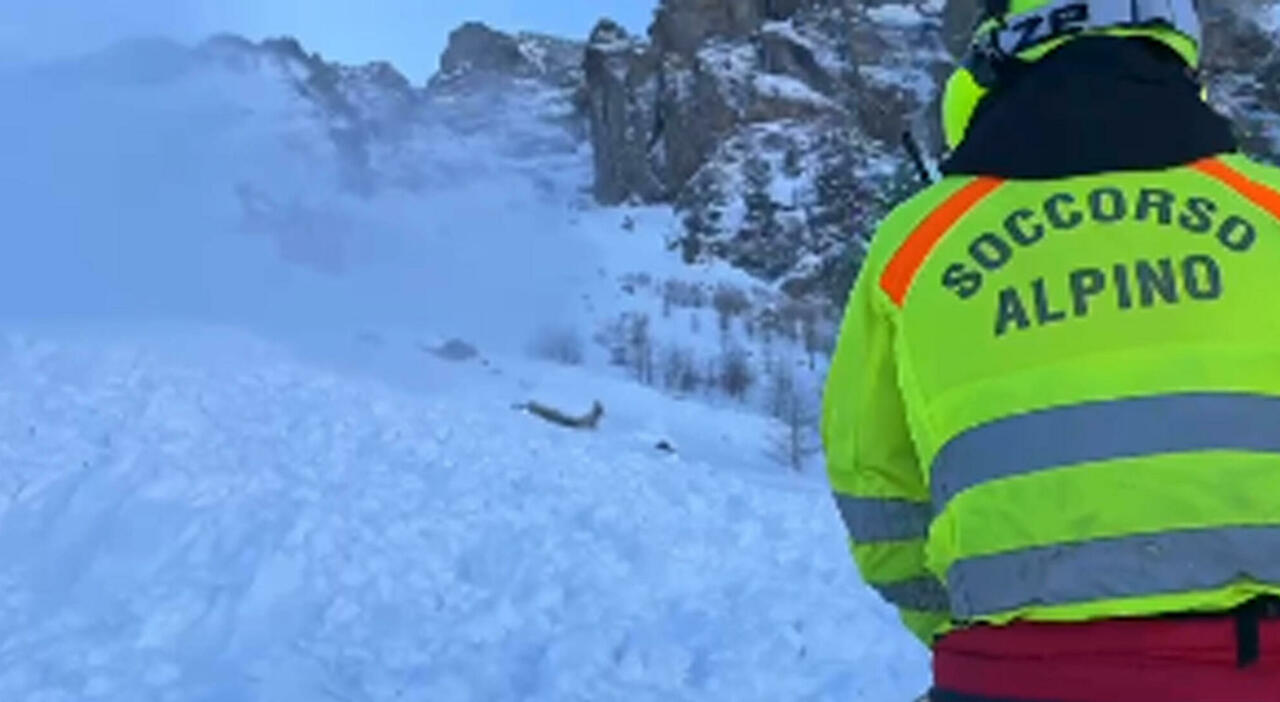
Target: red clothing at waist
1132, 660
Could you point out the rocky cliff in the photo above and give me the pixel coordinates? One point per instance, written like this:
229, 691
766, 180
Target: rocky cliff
520, 93
774, 126
1242, 70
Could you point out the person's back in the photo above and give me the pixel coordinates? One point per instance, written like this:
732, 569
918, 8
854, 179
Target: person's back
1053, 417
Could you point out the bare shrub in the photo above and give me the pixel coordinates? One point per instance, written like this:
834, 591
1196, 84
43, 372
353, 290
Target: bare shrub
558, 344
768, 321
729, 301
782, 322
631, 282
614, 339
795, 438
811, 339
736, 374
798, 319
639, 346
680, 293
820, 338
680, 371
768, 358
780, 391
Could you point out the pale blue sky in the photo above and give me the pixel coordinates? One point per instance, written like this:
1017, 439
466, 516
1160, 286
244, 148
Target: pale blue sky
410, 33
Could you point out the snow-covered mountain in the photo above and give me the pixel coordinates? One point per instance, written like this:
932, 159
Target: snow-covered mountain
264, 322
264, 319
458, 208
774, 128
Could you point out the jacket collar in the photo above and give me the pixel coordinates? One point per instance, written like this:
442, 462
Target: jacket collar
1095, 105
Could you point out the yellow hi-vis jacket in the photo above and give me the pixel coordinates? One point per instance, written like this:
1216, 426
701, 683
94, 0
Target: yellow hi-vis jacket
1060, 400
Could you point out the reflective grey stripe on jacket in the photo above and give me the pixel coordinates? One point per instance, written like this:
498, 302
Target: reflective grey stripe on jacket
871, 520
923, 594
1098, 431
1130, 566
1127, 566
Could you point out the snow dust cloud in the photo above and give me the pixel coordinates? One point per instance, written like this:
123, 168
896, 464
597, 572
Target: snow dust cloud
140, 184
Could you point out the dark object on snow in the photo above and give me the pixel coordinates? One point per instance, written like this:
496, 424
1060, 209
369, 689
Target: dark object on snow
555, 416
453, 350
665, 445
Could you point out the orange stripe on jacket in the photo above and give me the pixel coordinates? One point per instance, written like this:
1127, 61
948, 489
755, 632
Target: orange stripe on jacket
902, 269
1258, 194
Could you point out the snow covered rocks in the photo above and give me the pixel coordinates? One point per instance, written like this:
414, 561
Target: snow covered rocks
740, 114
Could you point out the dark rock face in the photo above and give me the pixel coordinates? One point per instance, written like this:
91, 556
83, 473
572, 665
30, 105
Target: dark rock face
477, 54
711, 67
958, 21
476, 47
517, 98
748, 117
524, 89
1242, 69
681, 26
781, 54
774, 126
621, 82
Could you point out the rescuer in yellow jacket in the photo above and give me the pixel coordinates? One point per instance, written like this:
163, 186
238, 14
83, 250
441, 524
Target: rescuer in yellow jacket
1052, 420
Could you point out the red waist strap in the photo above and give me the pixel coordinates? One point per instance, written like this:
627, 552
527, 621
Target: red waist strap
1135, 660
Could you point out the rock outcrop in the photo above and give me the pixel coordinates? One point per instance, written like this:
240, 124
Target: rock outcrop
476, 52
521, 93
660, 108
1242, 70
525, 90
621, 89
766, 123
774, 126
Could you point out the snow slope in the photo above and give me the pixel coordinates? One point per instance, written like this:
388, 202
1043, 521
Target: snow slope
194, 514
229, 471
